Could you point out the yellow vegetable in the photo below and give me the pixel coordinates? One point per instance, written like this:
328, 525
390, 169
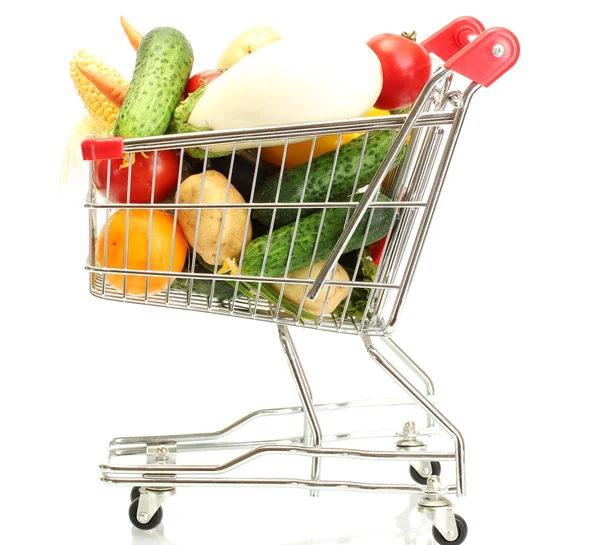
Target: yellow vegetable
334, 294
95, 102
249, 41
299, 153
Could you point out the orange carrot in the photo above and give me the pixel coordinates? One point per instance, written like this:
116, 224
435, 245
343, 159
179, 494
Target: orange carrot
132, 34
113, 91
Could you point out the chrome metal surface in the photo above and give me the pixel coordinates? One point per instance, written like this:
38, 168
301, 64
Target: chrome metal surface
498, 50
408, 439
165, 453
439, 509
431, 409
150, 501
313, 434
427, 136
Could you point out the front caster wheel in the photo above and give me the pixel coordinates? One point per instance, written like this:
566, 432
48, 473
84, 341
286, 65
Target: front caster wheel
151, 524
436, 469
461, 525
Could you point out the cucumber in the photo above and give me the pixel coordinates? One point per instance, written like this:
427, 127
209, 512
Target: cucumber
306, 238
201, 286
162, 69
348, 162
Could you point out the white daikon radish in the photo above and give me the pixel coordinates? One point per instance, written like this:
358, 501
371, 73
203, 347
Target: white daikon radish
291, 81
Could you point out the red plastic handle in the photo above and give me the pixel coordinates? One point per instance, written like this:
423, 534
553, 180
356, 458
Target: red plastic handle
448, 41
478, 54
489, 56
102, 148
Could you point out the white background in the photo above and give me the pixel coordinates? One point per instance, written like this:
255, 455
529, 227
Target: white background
503, 312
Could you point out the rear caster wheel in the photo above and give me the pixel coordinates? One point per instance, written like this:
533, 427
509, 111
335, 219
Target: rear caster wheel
461, 525
436, 469
151, 524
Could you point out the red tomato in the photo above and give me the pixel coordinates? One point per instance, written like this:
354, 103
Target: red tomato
201, 78
167, 172
406, 69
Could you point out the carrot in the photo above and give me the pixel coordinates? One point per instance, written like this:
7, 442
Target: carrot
132, 34
113, 91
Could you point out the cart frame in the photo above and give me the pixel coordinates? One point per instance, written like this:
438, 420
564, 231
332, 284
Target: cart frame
427, 135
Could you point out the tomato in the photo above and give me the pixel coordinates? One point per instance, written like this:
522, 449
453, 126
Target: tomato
167, 173
205, 76
406, 69
136, 235
299, 153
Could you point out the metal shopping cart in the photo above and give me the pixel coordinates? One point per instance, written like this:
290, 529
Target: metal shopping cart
424, 139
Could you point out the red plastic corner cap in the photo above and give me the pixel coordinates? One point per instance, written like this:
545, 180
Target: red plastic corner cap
489, 56
448, 41
102, 148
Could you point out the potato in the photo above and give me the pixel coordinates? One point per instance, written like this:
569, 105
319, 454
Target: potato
215, 188
294, 292
254, 38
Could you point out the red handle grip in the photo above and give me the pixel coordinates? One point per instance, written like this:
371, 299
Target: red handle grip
478, 54
102, 148
448, 41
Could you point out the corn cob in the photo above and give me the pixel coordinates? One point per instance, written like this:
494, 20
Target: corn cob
95, 102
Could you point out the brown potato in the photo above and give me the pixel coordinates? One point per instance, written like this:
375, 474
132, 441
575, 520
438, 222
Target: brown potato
294, 292
215, 189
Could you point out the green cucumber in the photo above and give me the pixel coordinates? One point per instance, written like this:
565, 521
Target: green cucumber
306, 239
203, 286
319, 178
162, 69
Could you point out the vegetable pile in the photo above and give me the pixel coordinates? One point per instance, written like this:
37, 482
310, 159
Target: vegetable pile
259, 80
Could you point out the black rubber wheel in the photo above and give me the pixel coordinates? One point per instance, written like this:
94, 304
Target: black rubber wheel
151, 524
462, 533
135, 493
436, 469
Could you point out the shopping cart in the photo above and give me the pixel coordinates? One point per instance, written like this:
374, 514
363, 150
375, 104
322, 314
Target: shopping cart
411, 177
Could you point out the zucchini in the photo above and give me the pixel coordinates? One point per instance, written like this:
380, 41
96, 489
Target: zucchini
348, 162
162, 69
306, 239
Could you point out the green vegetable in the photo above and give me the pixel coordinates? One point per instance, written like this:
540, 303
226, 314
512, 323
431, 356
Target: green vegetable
306, 239
162, 69
180, 123
359, 296
203, 286
319, 178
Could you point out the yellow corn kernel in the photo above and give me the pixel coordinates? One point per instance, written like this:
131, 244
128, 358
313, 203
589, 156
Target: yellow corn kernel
97, 105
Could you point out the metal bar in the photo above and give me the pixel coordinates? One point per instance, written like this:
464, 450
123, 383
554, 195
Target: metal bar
298, 130
373, 187
412, 365
196, 446
248, 224
305, 394
262, 205
389, 455
430, 409
277, 483
266, 279
281, 411
433, 200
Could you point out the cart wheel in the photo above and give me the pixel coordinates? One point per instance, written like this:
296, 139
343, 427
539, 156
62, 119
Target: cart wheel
462, 533
151, 524
135, 493
436, 469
